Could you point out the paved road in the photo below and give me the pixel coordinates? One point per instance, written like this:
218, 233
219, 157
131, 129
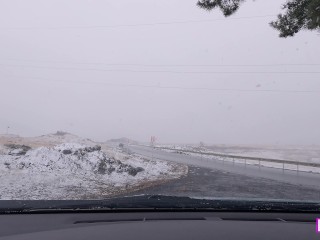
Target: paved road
301, 182
205, 182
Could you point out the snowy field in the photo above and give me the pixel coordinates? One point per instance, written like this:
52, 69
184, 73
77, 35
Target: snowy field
301, 154
75, 170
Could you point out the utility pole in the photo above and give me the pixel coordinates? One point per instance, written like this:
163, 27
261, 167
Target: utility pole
152, 140
7, 132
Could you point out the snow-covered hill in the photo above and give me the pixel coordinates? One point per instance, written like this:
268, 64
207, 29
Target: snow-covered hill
76, 171
49, 140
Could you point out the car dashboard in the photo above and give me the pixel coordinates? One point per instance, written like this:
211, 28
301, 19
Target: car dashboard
159, 225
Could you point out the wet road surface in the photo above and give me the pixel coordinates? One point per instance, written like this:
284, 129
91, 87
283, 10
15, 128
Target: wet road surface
203, 182
214, 180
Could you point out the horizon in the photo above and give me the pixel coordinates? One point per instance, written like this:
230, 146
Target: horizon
162, 143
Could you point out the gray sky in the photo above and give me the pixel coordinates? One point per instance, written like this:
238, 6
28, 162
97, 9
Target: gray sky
106, 69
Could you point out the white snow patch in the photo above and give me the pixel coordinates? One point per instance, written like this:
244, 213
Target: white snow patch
81, 172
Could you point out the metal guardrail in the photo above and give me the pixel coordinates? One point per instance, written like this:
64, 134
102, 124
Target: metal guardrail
249, 158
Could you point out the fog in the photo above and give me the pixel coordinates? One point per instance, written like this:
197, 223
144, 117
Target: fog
107, 69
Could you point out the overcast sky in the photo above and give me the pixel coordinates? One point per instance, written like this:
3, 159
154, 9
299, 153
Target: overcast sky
106, 69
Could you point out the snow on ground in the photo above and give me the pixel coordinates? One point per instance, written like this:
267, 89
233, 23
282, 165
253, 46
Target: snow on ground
77, 171
48, 140
307, 154
293, 167
301, 153
291, 153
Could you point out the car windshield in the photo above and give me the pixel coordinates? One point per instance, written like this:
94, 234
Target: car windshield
208, 99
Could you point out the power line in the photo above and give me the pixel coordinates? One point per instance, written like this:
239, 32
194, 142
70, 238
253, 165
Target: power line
136, 25
168, 65
159, 71
176, 87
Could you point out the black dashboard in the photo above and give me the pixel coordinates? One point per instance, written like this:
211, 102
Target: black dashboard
159, 225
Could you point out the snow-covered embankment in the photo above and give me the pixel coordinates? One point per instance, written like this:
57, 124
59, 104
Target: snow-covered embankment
75, 171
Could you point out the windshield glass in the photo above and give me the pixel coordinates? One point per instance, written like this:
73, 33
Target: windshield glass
209, 99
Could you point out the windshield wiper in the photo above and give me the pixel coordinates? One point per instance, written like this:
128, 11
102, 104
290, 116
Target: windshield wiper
156, 203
